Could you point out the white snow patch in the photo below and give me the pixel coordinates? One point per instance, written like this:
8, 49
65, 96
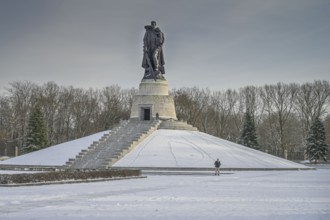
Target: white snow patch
174, 148
56, 155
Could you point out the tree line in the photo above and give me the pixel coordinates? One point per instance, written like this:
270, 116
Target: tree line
69, 112
282, 113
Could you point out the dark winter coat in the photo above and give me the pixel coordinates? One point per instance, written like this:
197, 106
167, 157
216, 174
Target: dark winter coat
217, 163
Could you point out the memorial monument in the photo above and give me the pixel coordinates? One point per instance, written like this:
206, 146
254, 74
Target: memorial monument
153, 99
192, 149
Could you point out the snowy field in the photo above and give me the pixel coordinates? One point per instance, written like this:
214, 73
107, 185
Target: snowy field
175, 148
255, 195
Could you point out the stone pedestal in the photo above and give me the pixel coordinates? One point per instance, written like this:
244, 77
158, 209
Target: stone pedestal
153, 98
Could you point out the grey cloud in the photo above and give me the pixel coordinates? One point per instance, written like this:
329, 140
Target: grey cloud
208, 43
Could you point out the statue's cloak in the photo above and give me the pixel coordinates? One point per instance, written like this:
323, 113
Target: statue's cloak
152, 40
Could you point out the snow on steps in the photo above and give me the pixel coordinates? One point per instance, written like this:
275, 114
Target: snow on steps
83, 152
176, 125
113, 146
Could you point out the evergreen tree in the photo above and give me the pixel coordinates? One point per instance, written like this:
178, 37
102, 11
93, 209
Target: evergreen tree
37, 132
316, 147
248, 136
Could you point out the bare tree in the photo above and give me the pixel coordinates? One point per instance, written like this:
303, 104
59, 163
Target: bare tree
84, 108
48, 99
251, 100
223, 104
21, 96
278, 104
190, 104
126, 101
5, 118
312, 102
64, 117
327, 132
111, 106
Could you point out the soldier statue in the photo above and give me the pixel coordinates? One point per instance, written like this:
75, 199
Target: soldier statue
153, 58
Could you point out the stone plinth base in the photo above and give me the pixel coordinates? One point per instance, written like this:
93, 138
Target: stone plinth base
153, 98
153, 87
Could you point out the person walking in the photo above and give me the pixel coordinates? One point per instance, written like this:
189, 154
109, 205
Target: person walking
217, 165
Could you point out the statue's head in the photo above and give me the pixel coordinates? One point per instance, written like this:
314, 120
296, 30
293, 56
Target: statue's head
153, 24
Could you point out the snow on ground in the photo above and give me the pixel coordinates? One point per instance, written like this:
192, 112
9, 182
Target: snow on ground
174, 148
165, 148
56, 155
249, 195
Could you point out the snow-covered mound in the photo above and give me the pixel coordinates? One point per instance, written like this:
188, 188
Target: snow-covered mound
56, 155
174, 148
165, 148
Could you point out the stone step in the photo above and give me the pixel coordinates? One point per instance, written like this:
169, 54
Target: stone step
69, 162
115, 145
177, 125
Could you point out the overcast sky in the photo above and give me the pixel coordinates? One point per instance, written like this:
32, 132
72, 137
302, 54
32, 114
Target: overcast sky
218, 44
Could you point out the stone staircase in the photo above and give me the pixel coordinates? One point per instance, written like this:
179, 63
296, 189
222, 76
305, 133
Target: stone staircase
176, 125
113, 146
